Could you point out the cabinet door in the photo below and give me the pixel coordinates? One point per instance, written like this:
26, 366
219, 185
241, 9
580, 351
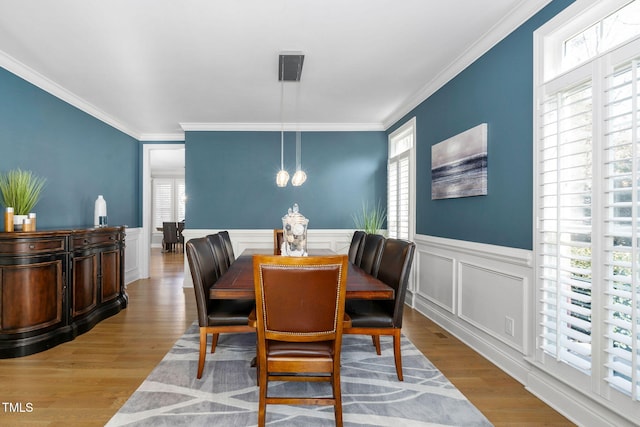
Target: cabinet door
110, 272
32, 296
85, 284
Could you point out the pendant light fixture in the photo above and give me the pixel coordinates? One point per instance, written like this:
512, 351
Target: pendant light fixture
290, 69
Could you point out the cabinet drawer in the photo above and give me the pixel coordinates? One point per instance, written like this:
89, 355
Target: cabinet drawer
32, 246
89, 240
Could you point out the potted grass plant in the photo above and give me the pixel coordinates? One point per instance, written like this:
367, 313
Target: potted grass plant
370, 220
21, 190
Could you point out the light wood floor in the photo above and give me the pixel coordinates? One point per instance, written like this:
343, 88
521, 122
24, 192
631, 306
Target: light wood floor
85, 381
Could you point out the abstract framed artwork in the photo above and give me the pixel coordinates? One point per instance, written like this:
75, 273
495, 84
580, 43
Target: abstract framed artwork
459, 165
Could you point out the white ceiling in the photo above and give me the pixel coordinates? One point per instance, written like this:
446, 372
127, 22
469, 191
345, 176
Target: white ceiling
154, 68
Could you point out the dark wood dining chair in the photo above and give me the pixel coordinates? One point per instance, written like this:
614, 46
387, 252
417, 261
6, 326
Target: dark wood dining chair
278, 238
371, 252
215, 316
384, 317
180, 226
356, 247
299, 317
228, 246
169, 236
219, 252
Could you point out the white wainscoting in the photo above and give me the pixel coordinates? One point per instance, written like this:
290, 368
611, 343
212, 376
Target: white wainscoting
133, 255
336, 240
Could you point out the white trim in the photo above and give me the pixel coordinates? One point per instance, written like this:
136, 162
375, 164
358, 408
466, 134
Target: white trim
147, 220
288, 127
520, 14
30, 75
162, 137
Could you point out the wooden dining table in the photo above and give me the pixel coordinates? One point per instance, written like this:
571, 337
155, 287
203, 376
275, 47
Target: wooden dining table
237, 282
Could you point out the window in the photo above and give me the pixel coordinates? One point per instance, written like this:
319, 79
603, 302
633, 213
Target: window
168, 200
587, 203
400, 182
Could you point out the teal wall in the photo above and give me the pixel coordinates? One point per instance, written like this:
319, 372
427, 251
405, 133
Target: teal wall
230, 178
79, 156
498, 90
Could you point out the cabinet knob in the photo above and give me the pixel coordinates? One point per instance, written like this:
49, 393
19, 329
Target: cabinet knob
32, 246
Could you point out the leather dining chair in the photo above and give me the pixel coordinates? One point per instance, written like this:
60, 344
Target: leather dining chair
300, 318
278, 238
228, 246
169, 236
356, 247
219, 252
214, 316
372, 246
384, 317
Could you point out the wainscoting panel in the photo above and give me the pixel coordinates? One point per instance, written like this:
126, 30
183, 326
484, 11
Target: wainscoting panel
436, 279
493, 302
132, 255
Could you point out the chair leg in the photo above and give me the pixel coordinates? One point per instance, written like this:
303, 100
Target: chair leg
376, 342
396, 353
203, 349
214, 342
262, 403
337, 395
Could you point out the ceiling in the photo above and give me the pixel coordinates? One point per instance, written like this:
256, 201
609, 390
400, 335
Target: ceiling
155, 68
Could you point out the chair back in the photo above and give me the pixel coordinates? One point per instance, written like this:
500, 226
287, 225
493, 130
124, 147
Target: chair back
219, 252
170, 232
300, 299
204, 272
228, 246
371, 253
395, 266
356, 247
278, 238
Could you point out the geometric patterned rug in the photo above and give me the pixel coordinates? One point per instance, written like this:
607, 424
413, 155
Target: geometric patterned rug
227, 394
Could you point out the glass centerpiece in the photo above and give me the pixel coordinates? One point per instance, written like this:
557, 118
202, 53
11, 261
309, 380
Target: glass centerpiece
294, 233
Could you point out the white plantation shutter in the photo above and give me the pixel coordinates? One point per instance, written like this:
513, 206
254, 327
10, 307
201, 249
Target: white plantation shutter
168, 200
621, 174
565, 224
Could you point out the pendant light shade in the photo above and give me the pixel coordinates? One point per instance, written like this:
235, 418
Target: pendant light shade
298, 178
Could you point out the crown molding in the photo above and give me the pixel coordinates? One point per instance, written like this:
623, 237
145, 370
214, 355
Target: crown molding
523, 11
30, 75
287, 127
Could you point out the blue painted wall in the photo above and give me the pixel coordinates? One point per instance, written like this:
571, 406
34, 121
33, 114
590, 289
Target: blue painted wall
79, 155
498, 90
230, 178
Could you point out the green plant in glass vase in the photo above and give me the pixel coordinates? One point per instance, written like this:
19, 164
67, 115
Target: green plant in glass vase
21, 190
370, 220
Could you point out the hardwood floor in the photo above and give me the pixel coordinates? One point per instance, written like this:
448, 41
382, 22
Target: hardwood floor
85, 381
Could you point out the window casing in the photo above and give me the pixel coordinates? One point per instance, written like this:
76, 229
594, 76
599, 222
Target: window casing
587, 191
401, 182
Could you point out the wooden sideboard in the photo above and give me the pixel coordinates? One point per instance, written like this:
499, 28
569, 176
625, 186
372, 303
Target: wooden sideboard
57, 284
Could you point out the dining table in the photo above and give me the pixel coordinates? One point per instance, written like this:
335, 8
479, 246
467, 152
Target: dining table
237, 281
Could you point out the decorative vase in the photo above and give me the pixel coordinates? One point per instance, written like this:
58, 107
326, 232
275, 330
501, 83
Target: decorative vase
294, 230
18, 221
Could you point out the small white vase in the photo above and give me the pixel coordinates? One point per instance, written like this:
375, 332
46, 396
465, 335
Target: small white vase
18, 222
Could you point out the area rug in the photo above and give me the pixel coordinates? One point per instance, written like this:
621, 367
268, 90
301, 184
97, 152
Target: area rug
227, 394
